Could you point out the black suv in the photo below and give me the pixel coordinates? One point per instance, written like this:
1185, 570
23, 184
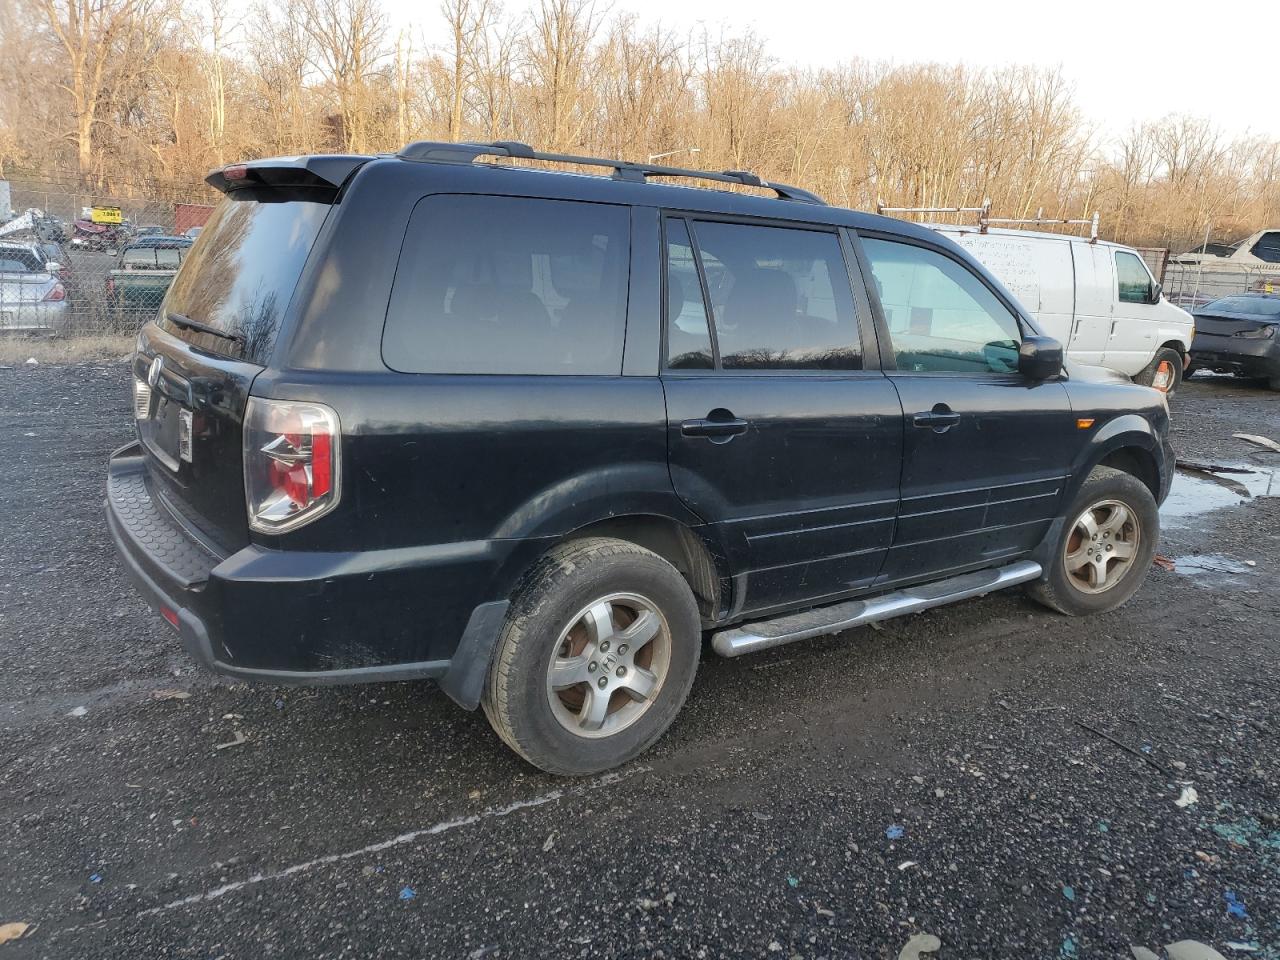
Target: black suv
533, 433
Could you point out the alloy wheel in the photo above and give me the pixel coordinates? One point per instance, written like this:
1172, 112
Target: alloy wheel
608, 665
1102, 546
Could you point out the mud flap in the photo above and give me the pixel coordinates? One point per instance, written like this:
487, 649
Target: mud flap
464, 680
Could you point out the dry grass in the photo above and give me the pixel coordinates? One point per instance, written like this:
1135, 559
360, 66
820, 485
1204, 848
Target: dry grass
64, 350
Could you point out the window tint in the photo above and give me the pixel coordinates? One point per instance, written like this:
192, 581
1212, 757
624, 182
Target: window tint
18, 260
241, 278
780, 298
141, 257
1268, 247
510, 285
940, 316
688, 336
1133, 280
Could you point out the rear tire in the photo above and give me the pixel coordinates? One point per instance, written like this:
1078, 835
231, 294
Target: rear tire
596, 657
1105, 548
1274, 383
1168, 355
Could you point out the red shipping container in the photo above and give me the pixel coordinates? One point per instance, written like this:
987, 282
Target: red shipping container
188, 215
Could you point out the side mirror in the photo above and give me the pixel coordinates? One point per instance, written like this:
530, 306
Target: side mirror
53, 266
1040, 358
1156, 291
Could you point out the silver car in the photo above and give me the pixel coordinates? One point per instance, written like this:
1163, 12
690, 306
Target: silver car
32, 298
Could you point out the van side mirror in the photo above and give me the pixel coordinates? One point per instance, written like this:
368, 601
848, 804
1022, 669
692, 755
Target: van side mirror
1040, 358
1156, 291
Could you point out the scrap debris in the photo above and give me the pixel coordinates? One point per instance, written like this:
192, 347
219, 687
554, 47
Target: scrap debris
1266, 443
1123, 746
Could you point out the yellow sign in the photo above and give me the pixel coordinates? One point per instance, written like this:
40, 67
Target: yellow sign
1268, 287
106, 215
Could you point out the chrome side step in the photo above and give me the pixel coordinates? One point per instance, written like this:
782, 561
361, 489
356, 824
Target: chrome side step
823, 621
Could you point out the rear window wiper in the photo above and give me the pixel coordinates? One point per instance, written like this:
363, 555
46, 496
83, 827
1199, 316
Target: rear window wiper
187, 323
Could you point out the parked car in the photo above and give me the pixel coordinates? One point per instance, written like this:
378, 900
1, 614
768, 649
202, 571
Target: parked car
1098, 298
192, 232
1255, 251
1239, 335
534, 433
143, 271
150, 230
32, 297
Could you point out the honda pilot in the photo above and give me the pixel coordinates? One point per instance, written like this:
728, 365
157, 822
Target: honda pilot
536, 433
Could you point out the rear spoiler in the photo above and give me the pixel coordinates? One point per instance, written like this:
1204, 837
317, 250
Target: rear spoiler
322, 170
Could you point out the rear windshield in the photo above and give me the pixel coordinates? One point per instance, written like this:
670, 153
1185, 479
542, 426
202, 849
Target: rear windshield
17, 260
153, 258
239, 276
1261, 306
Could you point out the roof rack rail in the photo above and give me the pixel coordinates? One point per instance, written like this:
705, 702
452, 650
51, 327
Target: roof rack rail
443, 152
985, 219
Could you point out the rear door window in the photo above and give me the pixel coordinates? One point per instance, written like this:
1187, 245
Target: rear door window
688, 333
242, 276
780, 298
510, 285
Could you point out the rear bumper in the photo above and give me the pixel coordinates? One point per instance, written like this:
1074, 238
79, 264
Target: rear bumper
42, 316
1252, 358
301, 618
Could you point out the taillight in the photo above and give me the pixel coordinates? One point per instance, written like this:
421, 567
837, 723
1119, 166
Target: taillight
59, 292
111, 286
291, 467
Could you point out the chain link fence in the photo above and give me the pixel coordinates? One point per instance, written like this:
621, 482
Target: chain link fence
1192, 285
80, 260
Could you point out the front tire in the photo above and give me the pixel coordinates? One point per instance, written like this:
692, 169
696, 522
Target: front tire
596, 657
1105, 548
1173, 370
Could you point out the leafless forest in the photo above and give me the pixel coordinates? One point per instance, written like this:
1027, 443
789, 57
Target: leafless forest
123, 94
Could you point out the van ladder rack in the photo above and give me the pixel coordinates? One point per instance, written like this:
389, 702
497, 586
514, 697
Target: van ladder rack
441, 152
985, 219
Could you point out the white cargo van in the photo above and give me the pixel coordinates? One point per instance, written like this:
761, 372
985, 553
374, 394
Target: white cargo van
1098, 298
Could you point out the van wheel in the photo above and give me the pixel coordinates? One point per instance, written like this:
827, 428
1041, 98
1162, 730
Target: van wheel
1165, 365
1105, 548
1274, 383
595, 659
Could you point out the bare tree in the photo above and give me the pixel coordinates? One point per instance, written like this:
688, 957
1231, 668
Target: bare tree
101, 40
348, 41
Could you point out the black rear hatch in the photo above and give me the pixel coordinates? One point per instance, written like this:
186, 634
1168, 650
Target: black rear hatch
215, 333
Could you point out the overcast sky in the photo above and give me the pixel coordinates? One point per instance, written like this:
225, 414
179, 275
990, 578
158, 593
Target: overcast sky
1128, 61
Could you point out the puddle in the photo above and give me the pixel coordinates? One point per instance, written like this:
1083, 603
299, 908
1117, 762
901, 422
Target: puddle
1210, 563
1194, 492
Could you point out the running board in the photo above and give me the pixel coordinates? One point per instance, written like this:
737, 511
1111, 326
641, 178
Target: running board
823, 621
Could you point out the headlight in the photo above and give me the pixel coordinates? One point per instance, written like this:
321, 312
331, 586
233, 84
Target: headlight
1259, 333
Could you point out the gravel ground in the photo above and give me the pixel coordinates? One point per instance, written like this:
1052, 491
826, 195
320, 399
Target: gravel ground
831, 799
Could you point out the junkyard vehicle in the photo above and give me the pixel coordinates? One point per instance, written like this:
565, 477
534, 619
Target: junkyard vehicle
1258, 250
32, 297
534, 433
1098, 298
1240, 335
143, 272
97, 236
